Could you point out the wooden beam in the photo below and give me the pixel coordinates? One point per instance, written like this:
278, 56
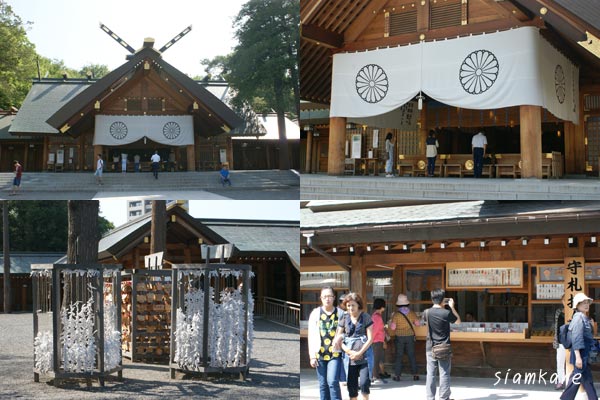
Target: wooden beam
337, 143
321, 37
531, 141
442, 33
364, 20
308, 11
556, 17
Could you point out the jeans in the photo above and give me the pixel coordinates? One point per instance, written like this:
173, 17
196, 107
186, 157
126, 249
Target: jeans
430, 166
358, 377
344, 368
136, 167
329, 385
155, 169
444, 370
402, 343
560, 363
478, 161
586, 380
388, 166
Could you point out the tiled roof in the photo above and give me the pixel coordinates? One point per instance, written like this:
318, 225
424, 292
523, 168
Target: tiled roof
43, 100
423, 214
260, 236
20, 263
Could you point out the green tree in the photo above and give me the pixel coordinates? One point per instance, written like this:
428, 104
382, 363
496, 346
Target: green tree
42, 225
17, 58
264, 64
97, 70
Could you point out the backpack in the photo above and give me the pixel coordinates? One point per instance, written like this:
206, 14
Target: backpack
564, 336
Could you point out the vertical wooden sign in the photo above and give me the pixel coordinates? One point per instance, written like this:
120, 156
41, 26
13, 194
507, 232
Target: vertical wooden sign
574, 274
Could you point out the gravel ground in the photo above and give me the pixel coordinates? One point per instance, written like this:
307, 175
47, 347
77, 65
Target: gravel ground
274, 371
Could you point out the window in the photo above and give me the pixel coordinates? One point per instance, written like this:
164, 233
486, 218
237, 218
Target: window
134, 104
399, 23
447, 13
155, 104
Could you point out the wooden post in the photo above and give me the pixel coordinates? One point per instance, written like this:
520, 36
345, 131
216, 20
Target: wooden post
358, 276
309, 137
230, 153
422, 129
574, 274
531, 141
191, 157
46, 151
79, 165
337, 144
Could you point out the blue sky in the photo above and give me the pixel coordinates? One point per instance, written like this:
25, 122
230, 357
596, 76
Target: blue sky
115, 210
69, 30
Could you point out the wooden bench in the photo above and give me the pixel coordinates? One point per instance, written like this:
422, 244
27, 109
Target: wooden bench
462, 165
508, 165
407, 163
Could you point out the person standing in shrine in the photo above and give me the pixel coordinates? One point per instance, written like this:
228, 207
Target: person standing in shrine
155, 163
431, 152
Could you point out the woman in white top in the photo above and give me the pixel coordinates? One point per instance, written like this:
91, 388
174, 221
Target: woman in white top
389, 151
324, 355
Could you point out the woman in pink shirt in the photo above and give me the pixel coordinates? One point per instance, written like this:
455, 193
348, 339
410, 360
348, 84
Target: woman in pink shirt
379, 344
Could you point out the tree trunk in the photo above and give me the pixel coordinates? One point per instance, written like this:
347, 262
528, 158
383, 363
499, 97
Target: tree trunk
158, 231
295, 80
6, 250
83, 236
284, 157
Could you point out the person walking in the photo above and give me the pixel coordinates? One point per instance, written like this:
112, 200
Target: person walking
115, 162
123, 163
582, 339
356, 330
136, 163
99, 168
438, 321
478, 147
379, 345
431, 152
324, 355
389, 152
155, 163
559, 320
18, 170
402, 323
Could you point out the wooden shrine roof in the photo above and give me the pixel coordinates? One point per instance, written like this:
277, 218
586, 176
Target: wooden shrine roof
216, 112
331, 26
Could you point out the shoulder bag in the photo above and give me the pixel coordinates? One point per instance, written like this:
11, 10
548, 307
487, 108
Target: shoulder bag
441, 351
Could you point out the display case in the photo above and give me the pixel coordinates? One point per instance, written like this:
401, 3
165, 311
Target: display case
311, 284
501, 274
506, 307
380, 285
481, 331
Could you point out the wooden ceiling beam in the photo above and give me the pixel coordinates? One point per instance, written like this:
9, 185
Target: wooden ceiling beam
344, 18
321, 36
309, 8
362, 21
555, 17
450, 32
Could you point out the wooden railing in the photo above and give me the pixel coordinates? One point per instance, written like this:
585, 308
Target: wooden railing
277, 310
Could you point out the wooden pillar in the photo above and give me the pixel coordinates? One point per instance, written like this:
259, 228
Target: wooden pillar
315, 155
575, 144
81, 153
309, 137
358, 276
260, 281
337, 145
531, 141
290, 290
191, 157
422, 129
230, 152
46, 151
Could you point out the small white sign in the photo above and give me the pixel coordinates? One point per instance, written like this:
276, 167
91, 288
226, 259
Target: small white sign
375, 138
223, 155
60, 156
